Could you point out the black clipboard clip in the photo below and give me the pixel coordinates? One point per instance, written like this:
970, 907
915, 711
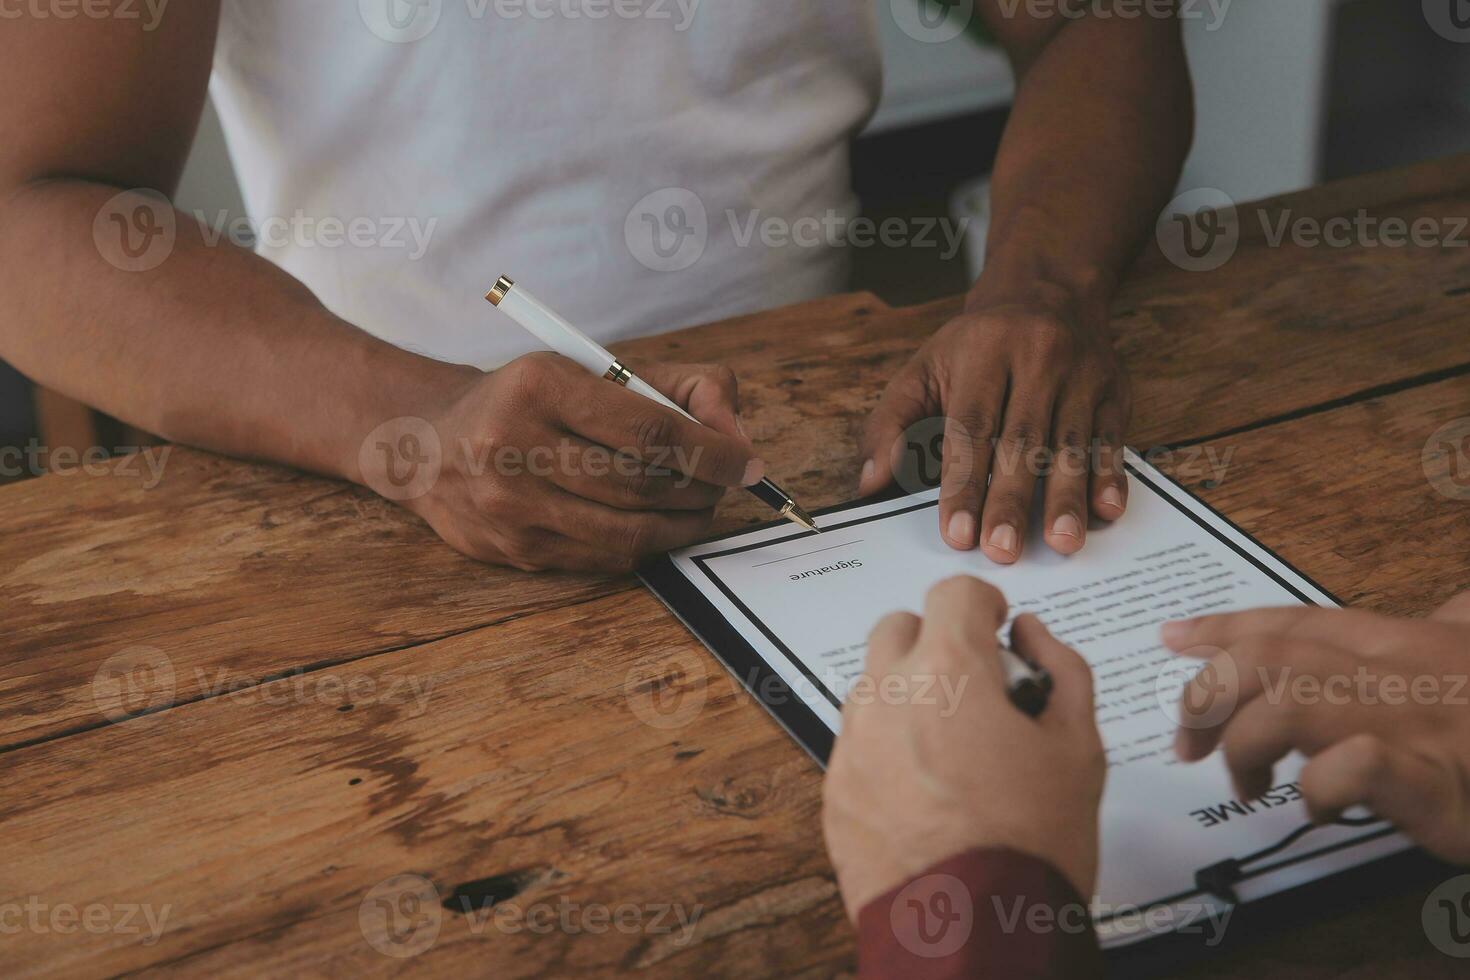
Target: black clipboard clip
1219, 879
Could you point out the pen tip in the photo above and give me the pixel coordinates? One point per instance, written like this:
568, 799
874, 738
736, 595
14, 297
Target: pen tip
801, 517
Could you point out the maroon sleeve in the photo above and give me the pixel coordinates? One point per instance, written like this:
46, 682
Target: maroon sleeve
990, 913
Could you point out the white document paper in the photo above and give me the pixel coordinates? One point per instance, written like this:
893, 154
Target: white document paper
806, 603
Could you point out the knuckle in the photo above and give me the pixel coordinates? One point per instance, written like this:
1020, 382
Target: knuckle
532, 379
1073, 441
1023, 435
1005, 505
724, 378
639, 487
890, 625
634, 538
977, 424
653, 433
966, 591
717, 459
533, 368
521, 552
495, 499
1370, 755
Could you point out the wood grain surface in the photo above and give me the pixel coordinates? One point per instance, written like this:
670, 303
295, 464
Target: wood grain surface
335, 700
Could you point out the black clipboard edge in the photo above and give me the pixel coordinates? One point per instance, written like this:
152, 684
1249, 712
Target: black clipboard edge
748, 667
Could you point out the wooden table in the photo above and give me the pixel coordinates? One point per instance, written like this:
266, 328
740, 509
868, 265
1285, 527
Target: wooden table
335, 700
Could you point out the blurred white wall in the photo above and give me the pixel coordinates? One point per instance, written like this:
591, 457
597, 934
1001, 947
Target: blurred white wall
1260, 79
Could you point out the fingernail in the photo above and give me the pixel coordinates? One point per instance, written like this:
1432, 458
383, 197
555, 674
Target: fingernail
1113, 497
740, 428
755, 471
1174, 632
1067, 526
1003, 538
869, 468
962, 529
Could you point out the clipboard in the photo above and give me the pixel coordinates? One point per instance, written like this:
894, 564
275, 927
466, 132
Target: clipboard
1220, 881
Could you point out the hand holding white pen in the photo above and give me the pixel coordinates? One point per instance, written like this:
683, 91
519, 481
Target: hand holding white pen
563, 338
540, 465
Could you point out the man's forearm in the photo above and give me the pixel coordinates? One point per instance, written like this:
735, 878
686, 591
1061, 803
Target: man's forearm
1102, 122
215, 347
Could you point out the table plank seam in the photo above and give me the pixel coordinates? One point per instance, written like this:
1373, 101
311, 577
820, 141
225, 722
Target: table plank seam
313, 668
1332, 405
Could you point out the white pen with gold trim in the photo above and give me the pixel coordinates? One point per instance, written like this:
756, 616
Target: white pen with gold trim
563, 338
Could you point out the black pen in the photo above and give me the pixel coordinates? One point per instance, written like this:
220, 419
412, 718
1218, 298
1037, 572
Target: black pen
1027, 682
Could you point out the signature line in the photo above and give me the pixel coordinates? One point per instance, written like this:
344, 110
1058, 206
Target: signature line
807, 553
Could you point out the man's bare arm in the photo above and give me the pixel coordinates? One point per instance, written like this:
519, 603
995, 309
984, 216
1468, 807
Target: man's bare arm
215, 347
218, 348
1026, 378
1102, 121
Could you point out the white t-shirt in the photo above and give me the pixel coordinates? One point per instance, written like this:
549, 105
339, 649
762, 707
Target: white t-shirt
638, 164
